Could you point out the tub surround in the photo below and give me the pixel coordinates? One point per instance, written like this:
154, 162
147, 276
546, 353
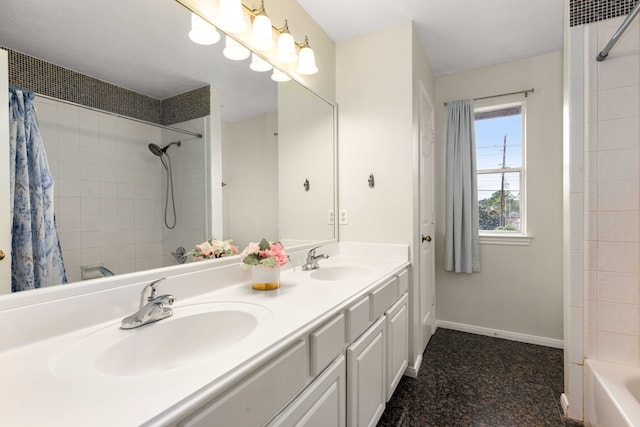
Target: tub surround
44, 389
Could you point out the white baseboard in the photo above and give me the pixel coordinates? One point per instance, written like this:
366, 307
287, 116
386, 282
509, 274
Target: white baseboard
513, 336
412, 370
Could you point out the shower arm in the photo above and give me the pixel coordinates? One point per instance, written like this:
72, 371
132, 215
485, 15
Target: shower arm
627, 21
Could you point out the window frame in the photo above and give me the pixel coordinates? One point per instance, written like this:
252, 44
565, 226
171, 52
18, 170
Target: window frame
505, 236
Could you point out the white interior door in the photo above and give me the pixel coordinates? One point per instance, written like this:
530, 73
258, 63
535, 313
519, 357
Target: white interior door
5, 218
427, 219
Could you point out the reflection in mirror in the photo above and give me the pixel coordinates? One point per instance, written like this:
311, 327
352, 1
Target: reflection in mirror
242, 180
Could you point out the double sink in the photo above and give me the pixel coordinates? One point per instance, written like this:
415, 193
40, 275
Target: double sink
196, 333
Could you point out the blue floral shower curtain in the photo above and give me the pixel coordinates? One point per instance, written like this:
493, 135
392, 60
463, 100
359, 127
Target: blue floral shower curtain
36, 253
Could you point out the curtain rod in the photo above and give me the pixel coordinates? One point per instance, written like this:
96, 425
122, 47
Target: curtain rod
603, 54
526, 93
97, 110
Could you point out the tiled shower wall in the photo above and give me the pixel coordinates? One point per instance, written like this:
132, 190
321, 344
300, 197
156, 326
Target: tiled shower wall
604, 181
109, 188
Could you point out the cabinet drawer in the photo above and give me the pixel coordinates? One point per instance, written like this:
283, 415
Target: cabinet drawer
323, 403
254, 400
357, 318
382, 297
403, 282
326, 343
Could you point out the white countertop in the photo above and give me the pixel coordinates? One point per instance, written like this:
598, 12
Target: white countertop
35, 391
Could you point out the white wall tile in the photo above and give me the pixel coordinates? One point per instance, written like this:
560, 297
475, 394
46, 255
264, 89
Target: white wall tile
618, 257
618, 318
618, 71
618, 103
618, 164
618, 226
618, 348
576, 345
618, 134
618, 195
618, 287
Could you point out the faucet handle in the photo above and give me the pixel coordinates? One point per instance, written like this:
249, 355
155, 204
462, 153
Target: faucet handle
312, 252
153, 286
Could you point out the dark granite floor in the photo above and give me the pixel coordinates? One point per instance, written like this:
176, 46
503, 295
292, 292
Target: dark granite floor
473, 380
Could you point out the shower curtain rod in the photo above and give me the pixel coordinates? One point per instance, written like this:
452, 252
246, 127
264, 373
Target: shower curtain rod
97, 110
605, 52
526, 93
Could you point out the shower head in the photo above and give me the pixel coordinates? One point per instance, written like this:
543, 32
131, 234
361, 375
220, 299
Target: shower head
156, 150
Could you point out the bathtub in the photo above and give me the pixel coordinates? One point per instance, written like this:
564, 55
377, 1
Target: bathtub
611, 394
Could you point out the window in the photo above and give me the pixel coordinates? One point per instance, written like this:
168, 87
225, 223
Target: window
499, 154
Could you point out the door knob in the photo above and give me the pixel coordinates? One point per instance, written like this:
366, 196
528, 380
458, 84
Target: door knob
426, 238
1, 254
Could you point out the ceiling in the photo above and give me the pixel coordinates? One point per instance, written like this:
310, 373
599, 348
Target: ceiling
142, 45
456, 35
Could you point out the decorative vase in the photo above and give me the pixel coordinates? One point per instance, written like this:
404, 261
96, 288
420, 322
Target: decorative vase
265, 278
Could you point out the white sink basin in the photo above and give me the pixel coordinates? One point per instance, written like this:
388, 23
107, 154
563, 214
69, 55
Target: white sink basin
339, 273
194, 333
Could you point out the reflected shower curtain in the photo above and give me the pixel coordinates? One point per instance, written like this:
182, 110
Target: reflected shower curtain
36, 254
462, 249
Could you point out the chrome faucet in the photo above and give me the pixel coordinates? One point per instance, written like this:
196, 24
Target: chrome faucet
152, 308
312, 260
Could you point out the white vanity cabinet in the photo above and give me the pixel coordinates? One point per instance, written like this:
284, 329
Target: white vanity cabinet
397, 318
366, 377
322, 404
340, 374
254, 400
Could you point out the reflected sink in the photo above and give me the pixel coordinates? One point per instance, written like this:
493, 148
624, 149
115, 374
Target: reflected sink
194, 333
338, 273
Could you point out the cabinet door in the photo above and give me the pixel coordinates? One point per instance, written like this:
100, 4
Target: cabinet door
322, 404
397, 318
366, 360
254, 400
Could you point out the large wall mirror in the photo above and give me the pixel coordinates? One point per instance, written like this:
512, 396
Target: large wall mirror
263, 167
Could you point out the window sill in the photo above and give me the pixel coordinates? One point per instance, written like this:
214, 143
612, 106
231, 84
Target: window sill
496, 239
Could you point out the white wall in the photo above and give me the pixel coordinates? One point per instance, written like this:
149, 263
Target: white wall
250, 170
374, 93
5, 197
519, 288
377, 81
602, 200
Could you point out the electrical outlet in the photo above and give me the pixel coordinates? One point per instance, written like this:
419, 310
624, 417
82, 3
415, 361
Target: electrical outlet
331, 217
344, 217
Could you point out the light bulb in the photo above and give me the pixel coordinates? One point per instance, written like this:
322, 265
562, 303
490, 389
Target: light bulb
230, 16
286, 52
202, 32
279, 76
261, 33
234, 50
307, 61
259, 64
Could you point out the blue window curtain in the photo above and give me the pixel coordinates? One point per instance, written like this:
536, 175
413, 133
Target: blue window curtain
36, 253
462, 249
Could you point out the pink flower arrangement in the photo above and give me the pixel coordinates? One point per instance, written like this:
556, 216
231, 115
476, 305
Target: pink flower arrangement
213, 249
270, 254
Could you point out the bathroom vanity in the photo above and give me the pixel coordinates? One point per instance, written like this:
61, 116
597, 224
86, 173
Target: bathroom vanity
327, 348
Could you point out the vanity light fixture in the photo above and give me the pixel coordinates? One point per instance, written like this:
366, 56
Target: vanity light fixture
259, 64
202, 32
307, 60
279, 76
230, 16
286, 51
234, 50
231, 19
261, 32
